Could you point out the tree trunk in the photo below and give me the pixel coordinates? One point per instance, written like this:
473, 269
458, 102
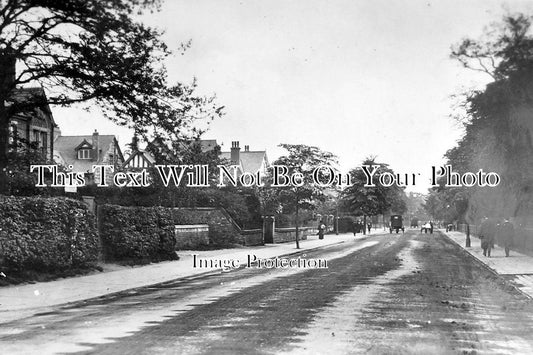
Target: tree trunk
364, 224
4, 146
297, 229
7, 84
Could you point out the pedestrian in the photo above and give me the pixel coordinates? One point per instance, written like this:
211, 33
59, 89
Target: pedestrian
430, 227
369, 225
507, 235
486, 235
321, 229
357, 227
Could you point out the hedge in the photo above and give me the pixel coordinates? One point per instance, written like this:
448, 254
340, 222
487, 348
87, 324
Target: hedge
137, 233
46, 234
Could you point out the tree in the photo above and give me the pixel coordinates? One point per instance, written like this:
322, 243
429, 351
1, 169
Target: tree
372, 200
498, 128
94, 52
302, 159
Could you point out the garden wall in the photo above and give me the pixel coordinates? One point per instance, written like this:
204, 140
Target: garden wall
223, 231
191, 236
284, 235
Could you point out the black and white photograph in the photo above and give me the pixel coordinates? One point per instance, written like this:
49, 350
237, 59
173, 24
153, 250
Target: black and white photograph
266, 177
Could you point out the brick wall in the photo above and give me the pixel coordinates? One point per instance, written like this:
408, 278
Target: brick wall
253, 237
191, 236
222, 230
283, 235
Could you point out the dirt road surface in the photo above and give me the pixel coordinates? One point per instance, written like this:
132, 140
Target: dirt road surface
406, 293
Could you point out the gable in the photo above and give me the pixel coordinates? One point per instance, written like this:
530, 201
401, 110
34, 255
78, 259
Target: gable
139, 159
84, 145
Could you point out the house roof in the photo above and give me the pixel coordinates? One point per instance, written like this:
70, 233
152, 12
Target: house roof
65, 147
250, 160
33, 95
143, 154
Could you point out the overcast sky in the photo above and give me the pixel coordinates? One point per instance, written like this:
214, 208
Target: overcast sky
356, 78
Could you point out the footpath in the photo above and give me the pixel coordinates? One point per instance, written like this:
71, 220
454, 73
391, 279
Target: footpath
24, 300
518, 268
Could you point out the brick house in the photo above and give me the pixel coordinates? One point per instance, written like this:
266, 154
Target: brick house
140, 159
34, 127
82, 152
249, 161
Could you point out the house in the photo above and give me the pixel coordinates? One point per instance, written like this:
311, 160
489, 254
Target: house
33, 127
144, 159
249, 161
82, 152
139, 159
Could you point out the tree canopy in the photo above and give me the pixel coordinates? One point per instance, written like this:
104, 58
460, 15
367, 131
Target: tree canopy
372, 200
95, 52
301, 159
498, 125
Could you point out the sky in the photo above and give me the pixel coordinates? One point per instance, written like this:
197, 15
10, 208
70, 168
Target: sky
356, 78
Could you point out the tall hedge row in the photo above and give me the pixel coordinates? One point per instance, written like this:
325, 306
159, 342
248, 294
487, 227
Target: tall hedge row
43, 234
137, 233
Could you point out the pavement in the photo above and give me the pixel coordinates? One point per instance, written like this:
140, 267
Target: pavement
517, 268
18, 301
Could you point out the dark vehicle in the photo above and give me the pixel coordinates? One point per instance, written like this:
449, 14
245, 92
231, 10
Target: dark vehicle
414, 223
396, 223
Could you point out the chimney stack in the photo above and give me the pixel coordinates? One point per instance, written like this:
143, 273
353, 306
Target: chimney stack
246, 148
96, 147
235, 153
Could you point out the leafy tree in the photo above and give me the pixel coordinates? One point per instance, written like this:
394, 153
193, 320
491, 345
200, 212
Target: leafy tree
94, 52
415, 206
372, 200
498, 127
302, 159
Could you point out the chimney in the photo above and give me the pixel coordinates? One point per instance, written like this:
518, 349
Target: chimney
235, 152
96, 148
246, 148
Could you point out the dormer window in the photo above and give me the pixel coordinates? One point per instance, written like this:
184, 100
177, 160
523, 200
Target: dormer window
84, 150
84, 154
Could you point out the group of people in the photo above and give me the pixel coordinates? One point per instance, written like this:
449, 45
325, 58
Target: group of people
358, 227
490, 230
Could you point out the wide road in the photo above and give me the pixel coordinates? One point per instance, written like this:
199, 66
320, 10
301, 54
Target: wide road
401, 294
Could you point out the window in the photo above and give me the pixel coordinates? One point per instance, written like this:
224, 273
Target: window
44, 141
36, 138
84, 154
13, 135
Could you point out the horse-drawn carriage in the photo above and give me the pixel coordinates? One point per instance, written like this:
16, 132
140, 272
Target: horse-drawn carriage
396, 223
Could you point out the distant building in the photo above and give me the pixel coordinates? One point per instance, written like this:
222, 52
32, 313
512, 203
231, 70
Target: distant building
34, 127
248, 161
82, 152
141, 159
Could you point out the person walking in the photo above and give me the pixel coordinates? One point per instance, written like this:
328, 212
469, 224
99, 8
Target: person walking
358, 227
486, 235
369, 225
321, 230
507, 235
